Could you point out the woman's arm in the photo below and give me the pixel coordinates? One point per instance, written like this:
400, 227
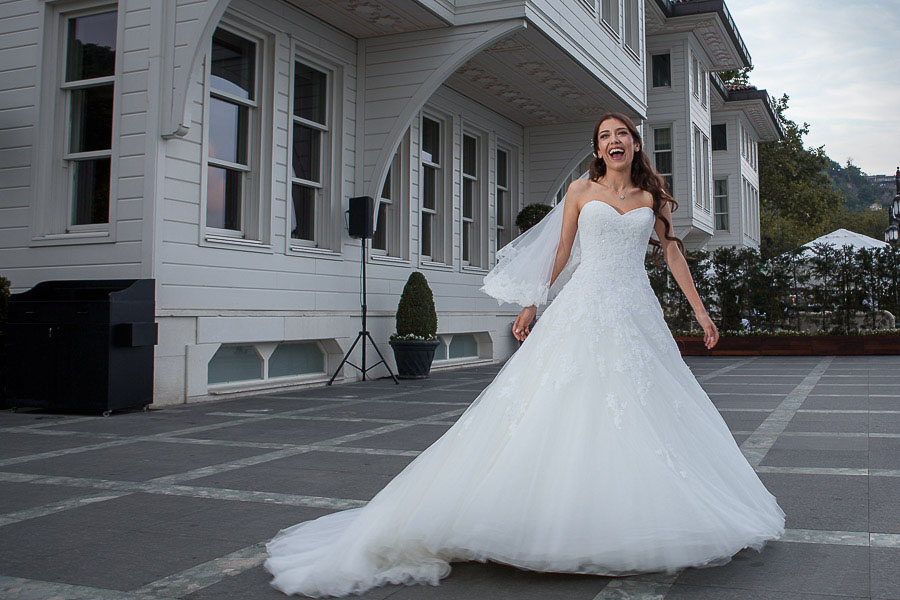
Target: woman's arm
522, 325
682, 274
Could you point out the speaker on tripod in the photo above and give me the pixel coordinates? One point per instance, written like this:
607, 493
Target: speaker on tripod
361, 225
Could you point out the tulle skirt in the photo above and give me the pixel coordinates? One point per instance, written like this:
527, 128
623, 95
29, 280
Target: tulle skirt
594, 451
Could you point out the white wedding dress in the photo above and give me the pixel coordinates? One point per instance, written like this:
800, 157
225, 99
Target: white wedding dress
594, 450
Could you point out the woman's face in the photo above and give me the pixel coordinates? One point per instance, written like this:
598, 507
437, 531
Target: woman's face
615, 145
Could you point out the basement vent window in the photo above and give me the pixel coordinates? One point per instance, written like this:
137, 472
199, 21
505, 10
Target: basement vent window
235, 363
296, 358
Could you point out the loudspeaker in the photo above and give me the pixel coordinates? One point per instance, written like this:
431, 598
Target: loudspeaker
362, 217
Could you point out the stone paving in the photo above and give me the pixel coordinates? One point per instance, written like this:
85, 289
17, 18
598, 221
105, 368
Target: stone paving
179, 502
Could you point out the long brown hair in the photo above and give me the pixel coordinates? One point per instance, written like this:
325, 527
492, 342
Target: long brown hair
643, 175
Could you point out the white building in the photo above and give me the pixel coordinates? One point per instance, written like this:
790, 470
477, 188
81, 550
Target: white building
704, 136
212, 145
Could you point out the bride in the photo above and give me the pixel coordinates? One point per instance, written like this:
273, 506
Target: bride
593, 451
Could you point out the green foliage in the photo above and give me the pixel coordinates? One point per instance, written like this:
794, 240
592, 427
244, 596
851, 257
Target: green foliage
859, 193
530, 215
797, 200
737, 76
416, 315
744, 291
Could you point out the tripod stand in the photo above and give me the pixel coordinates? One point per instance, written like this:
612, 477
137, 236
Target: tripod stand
364, 333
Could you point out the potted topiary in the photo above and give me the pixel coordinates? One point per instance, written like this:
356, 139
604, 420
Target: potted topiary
530, 215
416, 338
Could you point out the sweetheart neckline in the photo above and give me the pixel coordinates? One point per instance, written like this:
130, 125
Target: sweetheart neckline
617, 210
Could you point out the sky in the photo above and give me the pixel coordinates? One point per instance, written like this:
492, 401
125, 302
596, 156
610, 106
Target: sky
839, 61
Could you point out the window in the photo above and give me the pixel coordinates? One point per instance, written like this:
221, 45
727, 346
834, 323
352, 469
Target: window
706, 168
662, 70
750, 205
310, 144
663, 154
721, 204
432, 186
88, 86
233, 122
610, 14
384, 220
503, 199
719, 137
471, 201
695, 75
632, 26
701, 170
704, 87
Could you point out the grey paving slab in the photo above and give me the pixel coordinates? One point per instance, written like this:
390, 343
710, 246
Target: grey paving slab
834, 388
384, 410
417, 437
21, 444
696, 592
273, 404
286, 431
739, 401
140, 423
139, 461
884, 423
884, 453
825, 502
790, 568
838, 402
885, 578
740, 437
822, 422
818, 451
309, 482
768, 387
743, 421
884, 497
20, 496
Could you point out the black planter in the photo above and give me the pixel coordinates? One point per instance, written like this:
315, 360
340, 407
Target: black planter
414, 357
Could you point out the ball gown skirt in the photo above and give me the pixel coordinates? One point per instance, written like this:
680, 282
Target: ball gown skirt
594, 450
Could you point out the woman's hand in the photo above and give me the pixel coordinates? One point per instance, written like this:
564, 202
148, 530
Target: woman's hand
522, 325
711, 334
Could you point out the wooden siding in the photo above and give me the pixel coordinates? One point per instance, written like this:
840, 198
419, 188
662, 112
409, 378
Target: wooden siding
552, 151
22, 25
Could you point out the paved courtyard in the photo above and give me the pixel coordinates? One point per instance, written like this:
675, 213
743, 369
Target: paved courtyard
179, 502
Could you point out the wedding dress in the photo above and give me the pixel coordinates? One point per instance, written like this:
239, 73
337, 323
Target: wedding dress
594, 450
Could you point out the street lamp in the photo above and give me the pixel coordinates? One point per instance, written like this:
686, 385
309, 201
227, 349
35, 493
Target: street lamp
892, 233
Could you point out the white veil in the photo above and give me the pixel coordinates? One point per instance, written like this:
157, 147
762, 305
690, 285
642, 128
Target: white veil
525, 265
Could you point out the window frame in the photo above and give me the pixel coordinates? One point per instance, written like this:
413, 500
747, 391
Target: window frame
256, 200
631, 36
695, 75
724, 136
397, 237
671, 151
479, 219
441, 227
610, 8
726, 213
329, 225
51, 214
653, 58
511, 190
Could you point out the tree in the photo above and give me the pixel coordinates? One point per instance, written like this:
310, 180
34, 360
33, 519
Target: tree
797, 201
736, 76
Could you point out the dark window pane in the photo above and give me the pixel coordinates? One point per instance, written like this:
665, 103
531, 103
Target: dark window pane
721, 187
310, 93
670, 185
663, 162
227, 131
720, 137
467, 236
501, 208
431, 141
662, 70
429, 193
306, 159
468, 196
386, 188
470, 156
303, 215
91, 118
502, 158
379, 240
223, 198
233, 64
662, 139
426, 233
90, 187
91, 48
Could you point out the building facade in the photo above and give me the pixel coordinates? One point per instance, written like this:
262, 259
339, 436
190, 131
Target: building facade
212, 145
